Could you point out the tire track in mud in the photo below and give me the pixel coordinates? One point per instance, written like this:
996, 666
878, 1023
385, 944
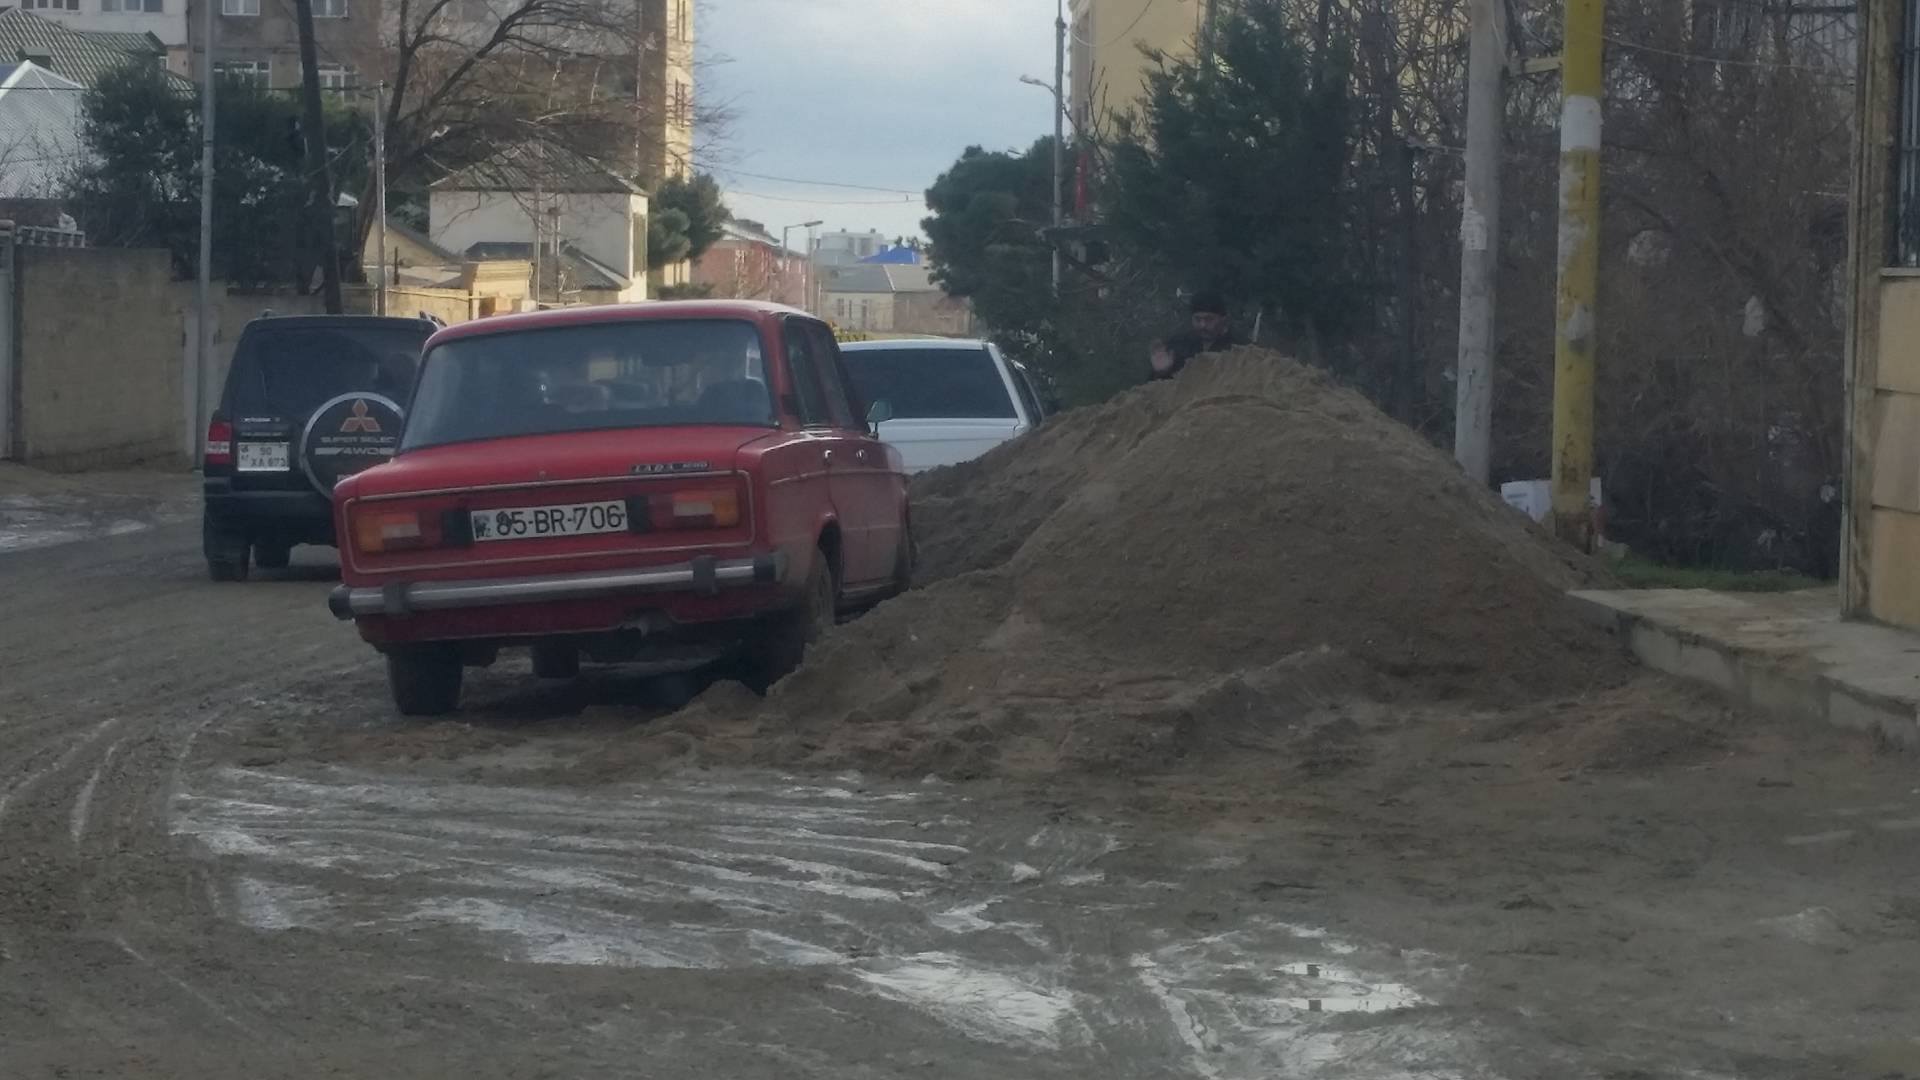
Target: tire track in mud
114, 656
218, 918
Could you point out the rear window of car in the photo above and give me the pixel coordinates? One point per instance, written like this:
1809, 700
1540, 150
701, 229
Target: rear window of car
932, 384
291, 371
595, 377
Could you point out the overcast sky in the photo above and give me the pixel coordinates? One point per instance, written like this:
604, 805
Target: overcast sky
879, 93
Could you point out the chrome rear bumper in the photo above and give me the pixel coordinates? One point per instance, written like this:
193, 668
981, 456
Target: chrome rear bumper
704, 574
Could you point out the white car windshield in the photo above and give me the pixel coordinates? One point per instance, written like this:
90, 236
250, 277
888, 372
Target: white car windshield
626, 374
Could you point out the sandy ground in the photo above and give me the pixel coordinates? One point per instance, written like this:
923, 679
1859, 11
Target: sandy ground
222, 857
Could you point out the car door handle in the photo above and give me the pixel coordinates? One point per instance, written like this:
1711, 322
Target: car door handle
860, 455
826, 456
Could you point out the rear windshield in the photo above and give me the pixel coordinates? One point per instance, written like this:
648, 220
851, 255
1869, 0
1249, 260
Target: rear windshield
932, 384
291, 371
591, 378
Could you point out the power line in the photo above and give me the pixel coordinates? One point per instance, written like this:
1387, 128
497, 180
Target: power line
1703, 58
811, 183
1116, 38
904, 200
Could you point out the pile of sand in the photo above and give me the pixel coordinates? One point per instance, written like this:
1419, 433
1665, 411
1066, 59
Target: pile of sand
1246, 558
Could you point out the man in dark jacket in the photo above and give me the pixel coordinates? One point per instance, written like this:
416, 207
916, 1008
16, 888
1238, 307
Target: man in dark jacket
1212, 331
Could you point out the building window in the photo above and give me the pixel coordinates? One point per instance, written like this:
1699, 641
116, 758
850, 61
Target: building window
239, 7
335, 76
329, 9
52, 5
683, 20
134, 7
682, 102
252, 72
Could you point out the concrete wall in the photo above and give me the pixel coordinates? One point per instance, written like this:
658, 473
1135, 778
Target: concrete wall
105, 348
88, 376
859, 311
1893, 593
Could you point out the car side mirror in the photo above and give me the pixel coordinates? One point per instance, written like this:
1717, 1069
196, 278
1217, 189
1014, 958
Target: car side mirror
878, 413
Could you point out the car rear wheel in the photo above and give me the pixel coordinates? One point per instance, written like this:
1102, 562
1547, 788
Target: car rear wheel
272, 555
226, 552
556, 661
783, 643
425, 679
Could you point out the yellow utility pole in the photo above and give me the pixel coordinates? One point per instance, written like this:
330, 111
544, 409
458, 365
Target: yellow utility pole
1576, 329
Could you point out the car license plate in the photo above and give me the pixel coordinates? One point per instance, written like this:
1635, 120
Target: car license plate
261, 457
536, 522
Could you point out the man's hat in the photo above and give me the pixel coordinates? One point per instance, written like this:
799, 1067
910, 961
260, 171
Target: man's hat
1211, 303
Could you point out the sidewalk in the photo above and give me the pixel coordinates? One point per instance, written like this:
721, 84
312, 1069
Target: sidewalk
1787, 654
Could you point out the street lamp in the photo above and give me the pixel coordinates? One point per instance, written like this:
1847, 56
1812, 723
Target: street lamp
786, 251
1059, 125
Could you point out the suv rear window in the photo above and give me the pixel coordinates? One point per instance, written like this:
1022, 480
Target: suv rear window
291, 371
628, 374
932, 384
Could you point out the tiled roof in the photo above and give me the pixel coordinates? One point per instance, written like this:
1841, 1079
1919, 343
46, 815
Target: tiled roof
540, 168
876, 278
582, 272
70, 54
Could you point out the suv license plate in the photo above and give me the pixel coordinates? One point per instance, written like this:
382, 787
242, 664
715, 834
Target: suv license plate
261, 457
536, 522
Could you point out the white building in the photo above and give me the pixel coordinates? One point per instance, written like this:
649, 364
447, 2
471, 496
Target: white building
39, 131
589, 223
841, 248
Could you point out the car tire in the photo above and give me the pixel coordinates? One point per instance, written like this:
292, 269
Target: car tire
226, 551
783, 641
268, 555
425, 680
556, 661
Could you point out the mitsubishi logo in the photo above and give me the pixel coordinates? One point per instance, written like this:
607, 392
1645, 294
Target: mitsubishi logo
360, 421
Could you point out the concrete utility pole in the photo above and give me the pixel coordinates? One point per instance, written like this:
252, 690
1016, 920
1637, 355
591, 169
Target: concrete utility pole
1576, 328
203, 355
1479, 240
1059, 130
380, 189
313, 125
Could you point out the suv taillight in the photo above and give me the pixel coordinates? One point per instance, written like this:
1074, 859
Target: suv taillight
219, 449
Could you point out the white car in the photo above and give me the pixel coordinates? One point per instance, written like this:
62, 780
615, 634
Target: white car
952, 400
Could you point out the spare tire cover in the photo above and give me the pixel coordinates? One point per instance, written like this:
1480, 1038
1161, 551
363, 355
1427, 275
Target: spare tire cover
348, 434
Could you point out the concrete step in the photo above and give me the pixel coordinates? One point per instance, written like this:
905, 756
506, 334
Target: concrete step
1786, 654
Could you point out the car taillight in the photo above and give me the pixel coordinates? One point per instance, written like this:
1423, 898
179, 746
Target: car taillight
219, 449
699, 508
375, 531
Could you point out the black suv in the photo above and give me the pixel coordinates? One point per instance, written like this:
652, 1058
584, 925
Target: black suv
309, 399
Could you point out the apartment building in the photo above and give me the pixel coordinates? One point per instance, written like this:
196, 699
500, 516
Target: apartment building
1108, 70
259, 40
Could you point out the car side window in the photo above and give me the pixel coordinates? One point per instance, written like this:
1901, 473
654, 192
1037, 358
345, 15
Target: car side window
840, 403
802, 371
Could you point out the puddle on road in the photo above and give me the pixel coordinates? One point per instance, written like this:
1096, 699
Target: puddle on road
28, 522
902, 900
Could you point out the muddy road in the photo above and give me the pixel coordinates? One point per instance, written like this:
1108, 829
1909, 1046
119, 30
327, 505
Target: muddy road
221, 856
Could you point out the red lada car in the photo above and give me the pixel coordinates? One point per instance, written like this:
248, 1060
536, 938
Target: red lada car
663, 481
